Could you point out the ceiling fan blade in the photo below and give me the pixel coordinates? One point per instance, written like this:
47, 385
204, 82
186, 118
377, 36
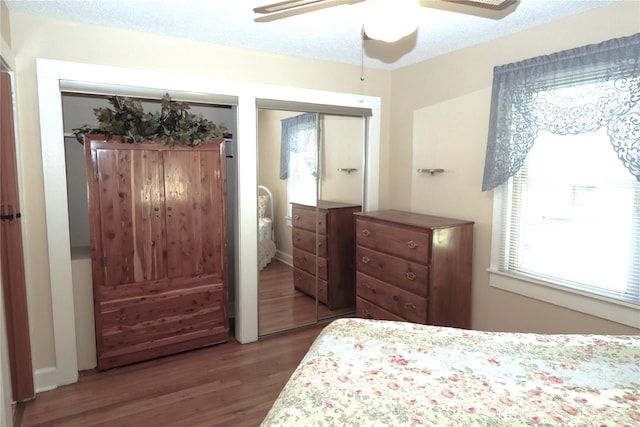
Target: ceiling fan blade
487, 4
310, 6
284, 5
491, 9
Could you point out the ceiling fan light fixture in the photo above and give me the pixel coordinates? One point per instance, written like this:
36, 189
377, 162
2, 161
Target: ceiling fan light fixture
391, 20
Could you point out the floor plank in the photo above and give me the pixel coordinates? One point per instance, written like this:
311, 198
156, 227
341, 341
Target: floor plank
282, 307
229, 384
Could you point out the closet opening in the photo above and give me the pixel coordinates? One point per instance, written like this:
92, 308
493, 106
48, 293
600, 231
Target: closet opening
78, 110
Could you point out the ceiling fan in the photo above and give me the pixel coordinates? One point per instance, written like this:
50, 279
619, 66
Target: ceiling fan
388, 20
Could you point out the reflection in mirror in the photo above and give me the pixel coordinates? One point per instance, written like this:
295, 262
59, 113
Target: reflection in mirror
281, 307
340, 193
316, 183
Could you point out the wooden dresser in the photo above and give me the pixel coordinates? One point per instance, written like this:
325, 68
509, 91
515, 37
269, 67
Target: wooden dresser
332, 231
414, 268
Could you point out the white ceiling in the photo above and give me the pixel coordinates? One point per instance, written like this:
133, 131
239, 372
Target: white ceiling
332, 34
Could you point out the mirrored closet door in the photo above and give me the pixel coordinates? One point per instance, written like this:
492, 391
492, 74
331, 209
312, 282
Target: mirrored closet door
311, 169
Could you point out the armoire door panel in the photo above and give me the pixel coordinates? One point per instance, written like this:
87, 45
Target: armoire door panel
131, 221
194, 225
212, 177
148, 196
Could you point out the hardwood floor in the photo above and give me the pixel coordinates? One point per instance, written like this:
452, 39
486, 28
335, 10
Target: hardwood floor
282, 307
225, 385
229, 384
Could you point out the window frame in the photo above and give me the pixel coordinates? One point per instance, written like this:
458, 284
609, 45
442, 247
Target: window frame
290, 185
574, 299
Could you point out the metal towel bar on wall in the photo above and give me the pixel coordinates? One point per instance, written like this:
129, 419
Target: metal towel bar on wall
430, 171
348, 170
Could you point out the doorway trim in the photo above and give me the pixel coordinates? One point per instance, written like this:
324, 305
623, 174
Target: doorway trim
49, 75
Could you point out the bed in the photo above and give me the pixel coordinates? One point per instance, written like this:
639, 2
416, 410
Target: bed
266, 231
362, 372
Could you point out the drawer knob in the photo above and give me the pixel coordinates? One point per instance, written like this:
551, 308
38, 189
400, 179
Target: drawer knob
410, 306
366, 233
296, 217
411, 244
411, 275
365, 313
365, 259
366, 285
296, 238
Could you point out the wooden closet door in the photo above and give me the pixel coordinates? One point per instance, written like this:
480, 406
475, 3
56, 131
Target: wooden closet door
14, 285
159, 278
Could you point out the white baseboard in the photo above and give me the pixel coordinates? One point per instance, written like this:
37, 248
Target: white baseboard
44, 379
283, 257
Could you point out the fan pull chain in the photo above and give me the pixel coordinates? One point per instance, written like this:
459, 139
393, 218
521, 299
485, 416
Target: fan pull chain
362, 57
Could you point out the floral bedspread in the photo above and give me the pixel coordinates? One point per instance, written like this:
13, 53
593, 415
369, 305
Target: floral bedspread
376, 373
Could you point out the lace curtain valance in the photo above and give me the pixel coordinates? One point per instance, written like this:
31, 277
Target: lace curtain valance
539, 94
299, 136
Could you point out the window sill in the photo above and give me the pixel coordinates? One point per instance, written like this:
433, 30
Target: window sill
615, 311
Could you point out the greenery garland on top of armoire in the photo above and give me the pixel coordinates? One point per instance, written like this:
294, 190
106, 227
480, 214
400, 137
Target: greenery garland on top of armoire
173, 124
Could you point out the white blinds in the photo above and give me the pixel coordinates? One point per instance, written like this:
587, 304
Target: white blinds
577, 226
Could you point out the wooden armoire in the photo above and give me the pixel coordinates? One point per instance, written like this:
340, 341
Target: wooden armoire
158, 248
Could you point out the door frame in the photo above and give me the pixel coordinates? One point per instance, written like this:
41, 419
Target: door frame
52, 75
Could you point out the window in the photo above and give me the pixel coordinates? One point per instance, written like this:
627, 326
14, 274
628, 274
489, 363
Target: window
302, 181
574, 223
298, 159
563, 159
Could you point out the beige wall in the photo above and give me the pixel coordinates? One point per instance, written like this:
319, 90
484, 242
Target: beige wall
342, 148
436, 109
5, 25
439, 119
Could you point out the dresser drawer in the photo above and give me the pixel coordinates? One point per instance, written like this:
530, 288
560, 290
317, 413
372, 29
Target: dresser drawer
306, 283
369, 310
409, 306
306, 240
400, 241
305, 217
307, 261
410, 276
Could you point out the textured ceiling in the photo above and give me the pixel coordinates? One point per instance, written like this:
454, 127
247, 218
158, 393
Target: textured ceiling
332, 34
